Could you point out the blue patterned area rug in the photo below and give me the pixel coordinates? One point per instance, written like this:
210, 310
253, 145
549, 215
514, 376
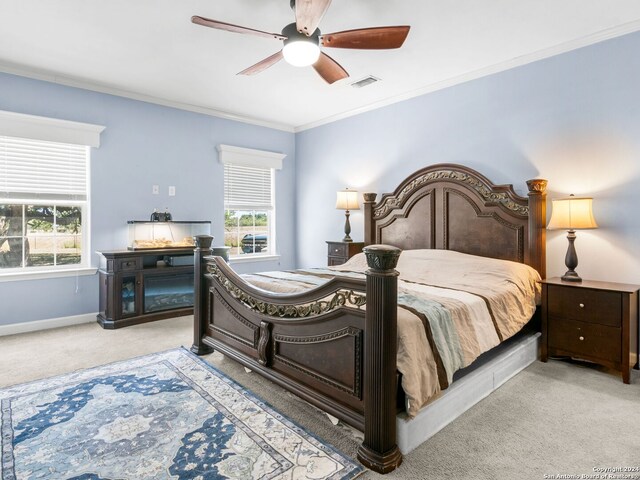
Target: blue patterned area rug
168, 415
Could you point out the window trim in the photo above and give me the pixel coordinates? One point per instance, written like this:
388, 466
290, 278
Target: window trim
250, 157
37, 274
13, 124
254, 257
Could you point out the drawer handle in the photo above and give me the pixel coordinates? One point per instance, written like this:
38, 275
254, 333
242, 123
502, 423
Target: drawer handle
582, 305
581, 338
337, 250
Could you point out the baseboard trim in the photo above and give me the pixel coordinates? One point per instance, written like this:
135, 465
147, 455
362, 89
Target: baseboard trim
465, 393
15, 328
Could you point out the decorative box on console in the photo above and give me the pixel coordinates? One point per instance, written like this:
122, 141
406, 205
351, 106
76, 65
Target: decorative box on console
153, 235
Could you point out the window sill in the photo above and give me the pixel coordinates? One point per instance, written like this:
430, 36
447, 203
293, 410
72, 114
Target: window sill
43, 274
253, 258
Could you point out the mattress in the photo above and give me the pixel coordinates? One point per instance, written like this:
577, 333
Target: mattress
452, 307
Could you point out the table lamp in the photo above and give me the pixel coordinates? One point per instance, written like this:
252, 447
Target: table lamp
347, 200
572, 213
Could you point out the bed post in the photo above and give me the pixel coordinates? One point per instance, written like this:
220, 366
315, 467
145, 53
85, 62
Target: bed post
369, 226
379, 450
203, 248
537, 225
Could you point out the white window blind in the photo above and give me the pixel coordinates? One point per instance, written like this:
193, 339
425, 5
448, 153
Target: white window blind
247, 188
36, 169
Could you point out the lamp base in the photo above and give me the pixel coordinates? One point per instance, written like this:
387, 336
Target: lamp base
347, 228
571, 276
571, 260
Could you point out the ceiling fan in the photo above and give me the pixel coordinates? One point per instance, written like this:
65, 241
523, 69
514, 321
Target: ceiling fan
303, 39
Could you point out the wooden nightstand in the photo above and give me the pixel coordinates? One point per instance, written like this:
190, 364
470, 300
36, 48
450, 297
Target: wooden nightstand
340, 252
595, 321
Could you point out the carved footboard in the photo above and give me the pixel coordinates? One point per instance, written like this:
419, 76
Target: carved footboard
334, 346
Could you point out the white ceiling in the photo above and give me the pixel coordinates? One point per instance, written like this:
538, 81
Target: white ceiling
149, 49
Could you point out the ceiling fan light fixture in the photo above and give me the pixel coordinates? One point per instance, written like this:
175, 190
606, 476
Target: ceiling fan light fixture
301, 53
303, 40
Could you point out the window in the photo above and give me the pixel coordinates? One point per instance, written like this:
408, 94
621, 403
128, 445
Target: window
43, 205
249, 210
249, 200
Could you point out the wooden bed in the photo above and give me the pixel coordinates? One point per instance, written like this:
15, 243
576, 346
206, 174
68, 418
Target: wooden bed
323, 345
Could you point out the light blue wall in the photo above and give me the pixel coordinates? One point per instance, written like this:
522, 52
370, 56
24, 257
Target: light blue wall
143, 144
573, 119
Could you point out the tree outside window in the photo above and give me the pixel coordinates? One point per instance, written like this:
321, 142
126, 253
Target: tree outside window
40, 235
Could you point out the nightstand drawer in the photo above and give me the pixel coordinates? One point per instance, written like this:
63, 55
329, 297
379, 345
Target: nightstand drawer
596, 321
337, 249
587, 340
128, 264
586, 305
340, 252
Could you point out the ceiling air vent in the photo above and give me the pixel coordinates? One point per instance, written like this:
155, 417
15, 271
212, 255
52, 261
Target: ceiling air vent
365, 81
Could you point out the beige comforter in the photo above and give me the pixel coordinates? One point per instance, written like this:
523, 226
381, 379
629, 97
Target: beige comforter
452, 308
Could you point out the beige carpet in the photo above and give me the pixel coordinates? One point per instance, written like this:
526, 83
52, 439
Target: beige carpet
555, 418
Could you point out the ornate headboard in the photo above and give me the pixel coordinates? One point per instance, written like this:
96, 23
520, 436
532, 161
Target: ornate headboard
453, 207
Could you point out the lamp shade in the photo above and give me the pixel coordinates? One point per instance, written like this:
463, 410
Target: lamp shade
347, 200
572, 213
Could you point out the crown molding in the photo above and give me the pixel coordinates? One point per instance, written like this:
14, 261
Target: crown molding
565, 47
561, 48
68, 81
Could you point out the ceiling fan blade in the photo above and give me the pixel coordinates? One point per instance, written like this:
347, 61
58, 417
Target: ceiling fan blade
330, 70
262, 64
376, 38
206, 22
309, 13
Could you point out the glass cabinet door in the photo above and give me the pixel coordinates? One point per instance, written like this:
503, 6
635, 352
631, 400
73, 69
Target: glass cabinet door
128, 295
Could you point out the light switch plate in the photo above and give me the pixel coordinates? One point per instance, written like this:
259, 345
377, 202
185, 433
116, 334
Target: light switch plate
155, 189
172, 191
